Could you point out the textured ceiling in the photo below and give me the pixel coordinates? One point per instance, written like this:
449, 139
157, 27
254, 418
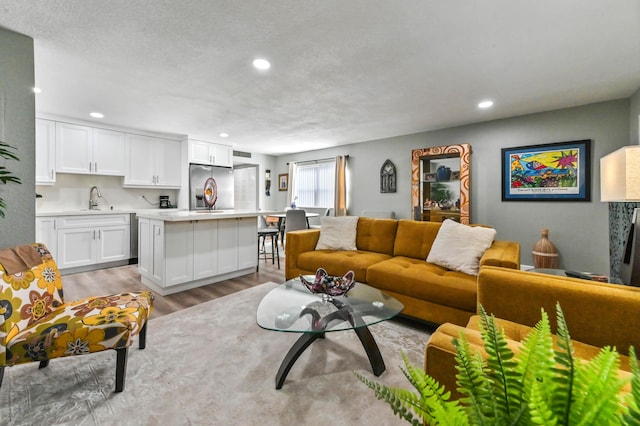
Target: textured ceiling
342, 71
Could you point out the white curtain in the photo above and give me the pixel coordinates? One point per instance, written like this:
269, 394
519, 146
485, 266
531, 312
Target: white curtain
340, 203
292, 183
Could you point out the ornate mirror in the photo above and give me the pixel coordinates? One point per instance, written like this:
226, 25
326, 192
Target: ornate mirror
440, 183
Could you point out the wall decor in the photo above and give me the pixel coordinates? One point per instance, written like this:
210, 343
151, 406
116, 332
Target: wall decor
388, 177
424, 178
550, 172
283, 182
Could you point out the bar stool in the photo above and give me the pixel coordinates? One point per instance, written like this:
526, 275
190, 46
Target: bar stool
265, 231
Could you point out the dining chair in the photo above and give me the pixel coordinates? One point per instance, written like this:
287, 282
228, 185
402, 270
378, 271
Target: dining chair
327, 212
295, 220
36, 325
265, 231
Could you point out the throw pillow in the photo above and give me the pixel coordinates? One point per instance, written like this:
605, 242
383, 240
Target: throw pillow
459, 247
338, 233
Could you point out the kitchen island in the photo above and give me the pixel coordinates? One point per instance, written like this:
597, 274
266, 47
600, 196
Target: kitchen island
180, 250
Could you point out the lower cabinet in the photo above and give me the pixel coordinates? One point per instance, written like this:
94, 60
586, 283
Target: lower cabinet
47, 233
84, 240
176, 255
92, 239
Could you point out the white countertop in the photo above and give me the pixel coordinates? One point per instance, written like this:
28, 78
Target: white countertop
84, 212
183, 215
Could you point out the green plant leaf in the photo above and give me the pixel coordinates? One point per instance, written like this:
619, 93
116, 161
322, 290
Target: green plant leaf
472, 381
633, 399
564, 371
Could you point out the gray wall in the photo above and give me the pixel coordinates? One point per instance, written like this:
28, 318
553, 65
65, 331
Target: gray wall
17, 128
634, 114
578, 229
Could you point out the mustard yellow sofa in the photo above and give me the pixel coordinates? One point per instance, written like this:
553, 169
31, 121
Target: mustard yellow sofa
391, 256
597, 315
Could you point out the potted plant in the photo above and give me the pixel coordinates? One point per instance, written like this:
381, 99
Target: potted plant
539, 385
6, 152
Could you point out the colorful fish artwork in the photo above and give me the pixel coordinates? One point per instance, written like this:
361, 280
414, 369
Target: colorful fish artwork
543, 169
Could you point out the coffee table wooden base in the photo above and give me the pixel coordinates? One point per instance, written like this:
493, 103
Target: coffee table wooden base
365, 336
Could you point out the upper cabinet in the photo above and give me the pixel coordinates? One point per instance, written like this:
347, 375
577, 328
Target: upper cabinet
45, 152
208, 153
152, 162
88, 150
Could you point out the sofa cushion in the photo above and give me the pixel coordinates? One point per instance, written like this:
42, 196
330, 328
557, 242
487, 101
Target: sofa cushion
376, 235
459, 247
425, 281
414, 238
338, 262
338, 233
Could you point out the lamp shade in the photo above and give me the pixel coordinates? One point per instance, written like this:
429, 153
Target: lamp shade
620, 175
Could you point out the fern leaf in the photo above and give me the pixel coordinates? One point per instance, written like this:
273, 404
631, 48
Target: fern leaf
535, 361
539, 410
565, 372
597, 387
392, 396
632, 417
504, 377
472, 382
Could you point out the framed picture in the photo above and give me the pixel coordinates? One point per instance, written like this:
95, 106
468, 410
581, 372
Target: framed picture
550, 172
283, 182
429, 177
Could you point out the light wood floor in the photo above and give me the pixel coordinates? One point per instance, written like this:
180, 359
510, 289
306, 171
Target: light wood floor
126, 278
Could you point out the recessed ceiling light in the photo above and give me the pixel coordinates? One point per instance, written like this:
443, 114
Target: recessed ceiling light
485, 104
37, 90
97, 115
261, 64
224, 135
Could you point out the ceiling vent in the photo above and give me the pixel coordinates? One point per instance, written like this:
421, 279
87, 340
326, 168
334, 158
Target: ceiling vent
242, 154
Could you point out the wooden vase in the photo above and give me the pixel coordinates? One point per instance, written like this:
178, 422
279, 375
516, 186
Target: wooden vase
545, 254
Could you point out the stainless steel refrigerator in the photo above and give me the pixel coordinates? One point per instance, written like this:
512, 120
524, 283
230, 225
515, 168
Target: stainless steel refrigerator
198, 175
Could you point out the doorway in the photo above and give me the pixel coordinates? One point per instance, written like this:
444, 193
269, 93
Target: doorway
245, 187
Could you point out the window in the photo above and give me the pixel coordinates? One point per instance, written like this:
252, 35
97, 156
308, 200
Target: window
315, 184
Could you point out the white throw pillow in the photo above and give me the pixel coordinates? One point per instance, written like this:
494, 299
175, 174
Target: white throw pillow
459, 247
338, 233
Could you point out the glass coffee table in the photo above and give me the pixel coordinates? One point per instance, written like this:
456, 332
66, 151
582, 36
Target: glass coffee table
292, 308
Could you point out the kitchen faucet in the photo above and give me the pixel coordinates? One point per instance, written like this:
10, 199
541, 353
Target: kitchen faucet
93, 204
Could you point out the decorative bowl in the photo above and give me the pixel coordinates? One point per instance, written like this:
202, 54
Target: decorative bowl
329, 284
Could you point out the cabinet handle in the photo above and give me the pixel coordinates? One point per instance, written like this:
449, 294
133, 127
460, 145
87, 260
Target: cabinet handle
99, 234
94, 234
51, 174
95, 167
90, 167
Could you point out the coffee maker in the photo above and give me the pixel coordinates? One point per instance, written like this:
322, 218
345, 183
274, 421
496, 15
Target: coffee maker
164, 202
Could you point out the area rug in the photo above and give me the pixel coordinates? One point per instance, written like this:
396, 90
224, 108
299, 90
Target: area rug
212, 365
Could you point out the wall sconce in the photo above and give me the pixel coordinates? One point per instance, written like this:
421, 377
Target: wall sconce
620, 182
267, 183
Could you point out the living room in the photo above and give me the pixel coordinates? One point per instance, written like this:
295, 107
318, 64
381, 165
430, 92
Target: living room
580, 230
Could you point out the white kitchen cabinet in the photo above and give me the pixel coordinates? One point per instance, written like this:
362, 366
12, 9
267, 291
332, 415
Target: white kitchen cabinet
88, 150
205, 247
212, 154
152, 162
45, 152
47, 233
92, 239
247, 242
177, 255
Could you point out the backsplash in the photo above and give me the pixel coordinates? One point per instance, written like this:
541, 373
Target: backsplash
71, 192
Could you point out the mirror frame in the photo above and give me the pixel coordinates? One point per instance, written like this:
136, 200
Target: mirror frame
463, 150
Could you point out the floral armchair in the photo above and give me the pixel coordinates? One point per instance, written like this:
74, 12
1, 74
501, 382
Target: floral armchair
36, 324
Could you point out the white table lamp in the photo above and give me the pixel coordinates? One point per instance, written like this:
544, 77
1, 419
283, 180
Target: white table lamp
620, 182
